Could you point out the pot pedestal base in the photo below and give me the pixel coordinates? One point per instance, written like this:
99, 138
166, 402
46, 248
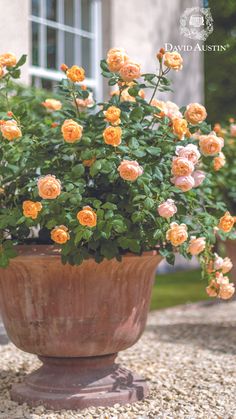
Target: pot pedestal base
77, 383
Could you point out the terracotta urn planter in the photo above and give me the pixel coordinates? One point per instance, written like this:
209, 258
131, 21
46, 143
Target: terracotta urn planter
76, 319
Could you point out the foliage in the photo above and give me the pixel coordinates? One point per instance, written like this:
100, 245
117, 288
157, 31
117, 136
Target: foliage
126, 211
224, 183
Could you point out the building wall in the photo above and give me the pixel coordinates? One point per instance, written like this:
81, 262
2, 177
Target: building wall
143, 27
15, 30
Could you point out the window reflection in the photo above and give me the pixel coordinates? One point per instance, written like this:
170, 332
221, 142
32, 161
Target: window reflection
51, 9
69, 12
86, 23
35, 7
86, 55
35, 43
69, 39
51, 48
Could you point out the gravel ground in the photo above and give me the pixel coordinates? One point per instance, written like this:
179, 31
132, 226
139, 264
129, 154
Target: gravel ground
187, 353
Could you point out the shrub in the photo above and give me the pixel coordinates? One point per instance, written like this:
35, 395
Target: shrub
125, 175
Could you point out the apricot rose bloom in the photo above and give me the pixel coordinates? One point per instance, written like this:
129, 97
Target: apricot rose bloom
162, 108
49, 187
10, 130
71, 131
87, 217
31, 209
184, 183
226, 291
177, 234
195, 113
219, 161
116, 58
112, 136
89, 163
210, 144
52, 104
130, 71
112, 115
225, 265
226, 222
181, 166
130, 170
173, 60
196, 245
60, 234
85, 103
180, 127
76, 74
189, 152
212, 289
8, 60
167, 208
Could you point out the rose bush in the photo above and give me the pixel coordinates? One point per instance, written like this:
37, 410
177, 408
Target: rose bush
225, 166
130, 174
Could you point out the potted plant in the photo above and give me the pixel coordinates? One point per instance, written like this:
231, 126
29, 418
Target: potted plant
92, 197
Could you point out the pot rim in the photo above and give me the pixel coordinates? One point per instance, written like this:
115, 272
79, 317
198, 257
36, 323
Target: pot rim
52, 250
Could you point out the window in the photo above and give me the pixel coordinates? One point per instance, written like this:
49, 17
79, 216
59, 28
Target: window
65, 31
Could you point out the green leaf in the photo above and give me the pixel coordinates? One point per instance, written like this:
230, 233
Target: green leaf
136, 114
21, 61
149, 203
154, 151
95, 168
78, 170
158, 174
133, 91
133, 143
103, 65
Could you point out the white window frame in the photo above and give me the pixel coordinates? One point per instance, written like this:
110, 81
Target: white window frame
41, 72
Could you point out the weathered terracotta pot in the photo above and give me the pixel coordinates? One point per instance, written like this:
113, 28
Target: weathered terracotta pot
230, 246
76, 319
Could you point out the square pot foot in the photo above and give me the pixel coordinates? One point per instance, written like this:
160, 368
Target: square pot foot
78, 383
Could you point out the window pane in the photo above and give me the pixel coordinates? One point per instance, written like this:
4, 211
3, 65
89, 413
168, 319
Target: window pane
47, 84
51, 48
86, 45
69, 12
35, 7
35, 43
51, 9
86, 7
69, 48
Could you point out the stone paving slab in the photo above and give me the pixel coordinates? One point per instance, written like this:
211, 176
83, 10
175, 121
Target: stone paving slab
187, 354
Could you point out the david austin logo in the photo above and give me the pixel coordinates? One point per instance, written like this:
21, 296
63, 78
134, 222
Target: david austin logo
196, 23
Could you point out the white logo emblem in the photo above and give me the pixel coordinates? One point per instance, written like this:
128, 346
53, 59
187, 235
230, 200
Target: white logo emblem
196, 23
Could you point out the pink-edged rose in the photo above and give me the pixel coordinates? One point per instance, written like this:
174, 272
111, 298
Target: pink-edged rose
196, 245
198, 177
189, 152
167, 208
185, 183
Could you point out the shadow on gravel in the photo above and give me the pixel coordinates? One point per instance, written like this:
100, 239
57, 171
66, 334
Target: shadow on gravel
214, 336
